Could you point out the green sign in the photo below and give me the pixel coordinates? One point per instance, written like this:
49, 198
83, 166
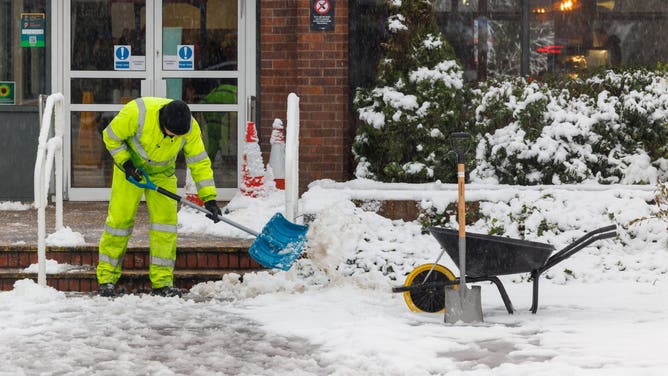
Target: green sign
7, 92
32, 29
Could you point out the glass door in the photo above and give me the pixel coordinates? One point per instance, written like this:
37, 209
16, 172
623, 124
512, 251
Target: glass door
180, 49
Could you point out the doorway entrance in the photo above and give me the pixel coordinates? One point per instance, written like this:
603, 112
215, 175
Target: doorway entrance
200, 51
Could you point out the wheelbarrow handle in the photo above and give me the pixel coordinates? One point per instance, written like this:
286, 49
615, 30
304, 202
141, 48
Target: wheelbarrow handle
148, 184
601, 233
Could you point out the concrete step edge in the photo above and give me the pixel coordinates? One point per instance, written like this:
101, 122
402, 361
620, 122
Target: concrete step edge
90, 273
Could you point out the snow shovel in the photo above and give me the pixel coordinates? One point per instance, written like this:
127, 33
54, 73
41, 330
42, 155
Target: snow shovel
277, 246
462, 303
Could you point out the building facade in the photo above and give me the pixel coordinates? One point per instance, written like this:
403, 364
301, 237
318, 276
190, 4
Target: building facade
235, 61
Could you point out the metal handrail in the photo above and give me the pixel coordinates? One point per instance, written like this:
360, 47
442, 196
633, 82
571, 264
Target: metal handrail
49, 150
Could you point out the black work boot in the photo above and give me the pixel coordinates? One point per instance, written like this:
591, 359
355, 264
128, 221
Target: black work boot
167, 291
106, 289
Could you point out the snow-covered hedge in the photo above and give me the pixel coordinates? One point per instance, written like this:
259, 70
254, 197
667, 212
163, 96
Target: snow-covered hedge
611, 127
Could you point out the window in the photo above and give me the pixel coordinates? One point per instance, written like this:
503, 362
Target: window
565, 36
24, 46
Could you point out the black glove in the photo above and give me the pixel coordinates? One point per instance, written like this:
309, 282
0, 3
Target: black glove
131, 171
214, 209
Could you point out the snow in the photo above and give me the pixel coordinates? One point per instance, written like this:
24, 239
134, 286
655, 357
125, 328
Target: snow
573, 127
11, 205
65, 237
601, 312
395, 23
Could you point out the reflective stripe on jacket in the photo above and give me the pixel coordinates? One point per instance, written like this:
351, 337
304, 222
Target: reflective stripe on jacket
135, 134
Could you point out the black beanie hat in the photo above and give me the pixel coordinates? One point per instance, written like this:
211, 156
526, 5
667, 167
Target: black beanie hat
175, 116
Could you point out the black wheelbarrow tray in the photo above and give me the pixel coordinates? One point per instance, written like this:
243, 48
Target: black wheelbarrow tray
488, 257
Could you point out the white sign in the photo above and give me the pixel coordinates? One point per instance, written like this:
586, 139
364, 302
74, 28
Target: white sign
123, 59
138, 63
183, 60
170, 62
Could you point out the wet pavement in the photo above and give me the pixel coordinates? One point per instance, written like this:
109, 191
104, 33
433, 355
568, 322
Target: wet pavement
19, 227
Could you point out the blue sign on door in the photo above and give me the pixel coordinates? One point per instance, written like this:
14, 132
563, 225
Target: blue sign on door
186, 56
122, 57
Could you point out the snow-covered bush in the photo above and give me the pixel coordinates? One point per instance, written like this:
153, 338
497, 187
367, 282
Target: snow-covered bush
661, 201
611, 127
418, 100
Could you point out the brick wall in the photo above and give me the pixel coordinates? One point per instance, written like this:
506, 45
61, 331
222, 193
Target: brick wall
313, 65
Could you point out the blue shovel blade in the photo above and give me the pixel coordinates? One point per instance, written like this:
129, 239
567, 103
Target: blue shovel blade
280, 243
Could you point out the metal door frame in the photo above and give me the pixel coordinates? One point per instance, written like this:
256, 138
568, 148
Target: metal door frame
153, 81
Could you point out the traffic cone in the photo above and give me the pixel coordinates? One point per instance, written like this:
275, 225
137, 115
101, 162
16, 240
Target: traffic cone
252, 168
191, 190
277, 154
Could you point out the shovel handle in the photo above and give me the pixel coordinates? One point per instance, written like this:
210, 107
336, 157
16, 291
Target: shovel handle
461, 142
145, 182
148, 184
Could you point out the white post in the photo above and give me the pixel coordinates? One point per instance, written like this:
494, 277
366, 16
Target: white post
47, 151
292, 158
59, 135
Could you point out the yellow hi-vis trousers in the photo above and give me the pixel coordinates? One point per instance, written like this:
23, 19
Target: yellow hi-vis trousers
125, 198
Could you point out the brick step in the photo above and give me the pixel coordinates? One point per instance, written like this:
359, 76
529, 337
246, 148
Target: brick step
132, 281
136, 258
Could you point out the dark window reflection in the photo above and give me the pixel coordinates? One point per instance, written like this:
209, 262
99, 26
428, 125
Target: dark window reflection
25, 66
210, 26
99, 25
566, 36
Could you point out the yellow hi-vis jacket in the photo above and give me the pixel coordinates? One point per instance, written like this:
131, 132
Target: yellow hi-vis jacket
135, 134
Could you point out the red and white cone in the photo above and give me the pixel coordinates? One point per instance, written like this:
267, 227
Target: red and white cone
252, 168
191, 190
277, 155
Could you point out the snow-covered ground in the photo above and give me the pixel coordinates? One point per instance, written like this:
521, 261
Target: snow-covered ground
603, 311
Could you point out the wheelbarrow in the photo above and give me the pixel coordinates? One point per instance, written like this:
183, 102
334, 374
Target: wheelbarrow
488, 257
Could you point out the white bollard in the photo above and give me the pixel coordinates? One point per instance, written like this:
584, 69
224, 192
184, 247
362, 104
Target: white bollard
292, 158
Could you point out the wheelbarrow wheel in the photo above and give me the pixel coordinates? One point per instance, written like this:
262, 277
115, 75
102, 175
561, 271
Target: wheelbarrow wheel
428, 299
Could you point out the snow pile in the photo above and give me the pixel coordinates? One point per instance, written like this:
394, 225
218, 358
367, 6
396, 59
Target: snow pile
334, 234
52, 267
31, 294
65, 237
351, 245
13, 205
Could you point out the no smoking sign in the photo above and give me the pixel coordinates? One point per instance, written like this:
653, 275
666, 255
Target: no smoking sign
322, 15
321, 6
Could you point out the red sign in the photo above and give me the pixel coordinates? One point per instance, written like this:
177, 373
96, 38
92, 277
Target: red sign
551, 49
322, 6
322, 15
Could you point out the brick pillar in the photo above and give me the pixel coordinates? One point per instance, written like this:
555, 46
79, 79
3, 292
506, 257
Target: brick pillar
313, 65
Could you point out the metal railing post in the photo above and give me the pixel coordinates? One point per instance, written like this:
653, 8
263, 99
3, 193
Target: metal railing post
48, 150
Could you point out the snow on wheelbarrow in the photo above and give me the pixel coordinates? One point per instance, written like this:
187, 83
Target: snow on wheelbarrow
278, 245
487, 258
